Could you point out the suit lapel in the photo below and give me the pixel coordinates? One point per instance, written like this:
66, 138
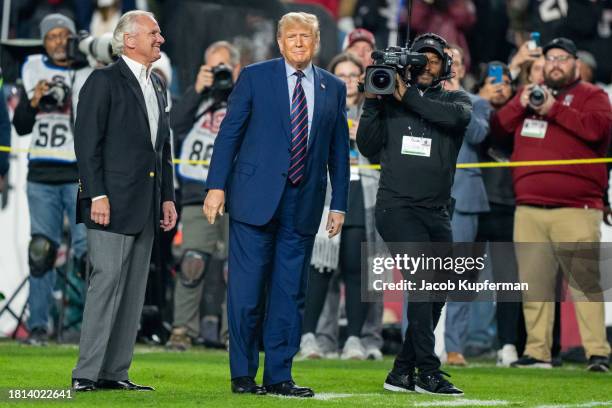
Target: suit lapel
159, 93
134, 86
319, 103
281, 95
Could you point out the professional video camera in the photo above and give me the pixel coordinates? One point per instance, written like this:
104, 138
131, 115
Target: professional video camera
56, 97
83, 45
380, 77
222, 78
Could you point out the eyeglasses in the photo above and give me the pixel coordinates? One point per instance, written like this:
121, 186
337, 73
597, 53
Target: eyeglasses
349, 76
56, 37
558, 58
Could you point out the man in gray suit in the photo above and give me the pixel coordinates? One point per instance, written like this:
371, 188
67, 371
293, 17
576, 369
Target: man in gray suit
471, 199
122, 144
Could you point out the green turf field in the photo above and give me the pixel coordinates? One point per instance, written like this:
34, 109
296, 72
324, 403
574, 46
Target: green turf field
201, 378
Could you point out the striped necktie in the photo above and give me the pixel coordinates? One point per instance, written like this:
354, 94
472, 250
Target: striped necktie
299, 131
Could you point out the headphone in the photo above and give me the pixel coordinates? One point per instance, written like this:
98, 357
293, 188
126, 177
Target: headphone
447, 59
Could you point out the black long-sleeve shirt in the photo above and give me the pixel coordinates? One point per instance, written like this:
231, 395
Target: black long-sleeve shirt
386, 126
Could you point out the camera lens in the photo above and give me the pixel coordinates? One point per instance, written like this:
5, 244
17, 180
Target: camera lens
537, 96
381, 79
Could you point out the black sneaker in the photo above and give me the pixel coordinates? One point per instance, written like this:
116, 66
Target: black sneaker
38, 337
598, 364
530, 362
400, 382
436, 384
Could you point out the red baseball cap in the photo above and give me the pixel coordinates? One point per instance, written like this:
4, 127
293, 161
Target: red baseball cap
360, 34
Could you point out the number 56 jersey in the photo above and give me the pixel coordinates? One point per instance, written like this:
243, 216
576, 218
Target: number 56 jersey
52, 134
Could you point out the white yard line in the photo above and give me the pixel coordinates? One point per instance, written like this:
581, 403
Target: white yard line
580, 405
461, 402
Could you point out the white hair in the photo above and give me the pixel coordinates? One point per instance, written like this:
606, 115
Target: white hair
126, 25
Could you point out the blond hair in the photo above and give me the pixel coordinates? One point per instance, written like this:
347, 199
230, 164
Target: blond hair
299, 18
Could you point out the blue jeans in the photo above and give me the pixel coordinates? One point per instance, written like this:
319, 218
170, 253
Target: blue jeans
465, 227
48, 204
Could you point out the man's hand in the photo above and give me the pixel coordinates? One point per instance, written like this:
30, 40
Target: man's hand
169, 213
549, 101
524, 99
204, 79
335, 220
214, 204
524, 55
1, 184
100, 211
41, 87
400, 87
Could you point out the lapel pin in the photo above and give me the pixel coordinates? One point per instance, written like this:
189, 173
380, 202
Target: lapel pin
322, 86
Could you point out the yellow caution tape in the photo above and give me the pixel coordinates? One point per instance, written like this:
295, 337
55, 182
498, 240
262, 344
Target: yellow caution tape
377, 166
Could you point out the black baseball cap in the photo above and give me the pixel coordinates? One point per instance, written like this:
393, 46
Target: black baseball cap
562, 43
431, 42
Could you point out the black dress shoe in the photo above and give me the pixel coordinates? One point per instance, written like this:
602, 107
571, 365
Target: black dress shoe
397, 382
246, 385
122, 385
289, 389
83, 384
436, 384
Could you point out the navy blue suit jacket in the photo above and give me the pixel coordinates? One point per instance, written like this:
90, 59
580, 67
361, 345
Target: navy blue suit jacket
252, 150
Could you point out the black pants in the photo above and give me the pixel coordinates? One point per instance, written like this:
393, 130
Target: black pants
417, 224
318, 285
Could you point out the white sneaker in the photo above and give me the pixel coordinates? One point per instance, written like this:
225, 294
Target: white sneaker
506, 355
373, 353
353, 350
309, 348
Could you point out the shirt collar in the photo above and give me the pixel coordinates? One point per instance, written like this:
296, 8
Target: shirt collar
308, 71
136, 68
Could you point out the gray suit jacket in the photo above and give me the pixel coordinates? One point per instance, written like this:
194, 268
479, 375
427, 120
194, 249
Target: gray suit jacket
468, 187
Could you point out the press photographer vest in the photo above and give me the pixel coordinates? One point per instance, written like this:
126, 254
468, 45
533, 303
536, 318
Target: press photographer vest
52, 134
198, 144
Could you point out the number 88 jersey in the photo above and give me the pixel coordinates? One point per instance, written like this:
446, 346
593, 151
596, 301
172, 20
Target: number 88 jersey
198, 144
52, 134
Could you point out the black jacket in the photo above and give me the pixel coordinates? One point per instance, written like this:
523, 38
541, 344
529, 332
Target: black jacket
114, 152
439, 115
183, 116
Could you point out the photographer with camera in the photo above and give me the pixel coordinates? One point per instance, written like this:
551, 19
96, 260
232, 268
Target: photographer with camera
47, 110
195, 120
418, 132
565, 119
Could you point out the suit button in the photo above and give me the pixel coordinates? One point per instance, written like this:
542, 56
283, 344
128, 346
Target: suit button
152, 174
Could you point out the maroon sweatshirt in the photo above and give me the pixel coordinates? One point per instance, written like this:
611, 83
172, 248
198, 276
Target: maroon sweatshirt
579, 127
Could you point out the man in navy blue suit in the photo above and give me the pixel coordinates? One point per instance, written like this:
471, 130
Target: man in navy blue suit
284, 130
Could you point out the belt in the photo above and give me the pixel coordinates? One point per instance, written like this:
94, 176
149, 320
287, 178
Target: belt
545, 206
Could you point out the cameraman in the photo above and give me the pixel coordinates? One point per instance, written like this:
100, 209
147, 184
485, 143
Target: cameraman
570, 119
195, 120
418, 132
47, 111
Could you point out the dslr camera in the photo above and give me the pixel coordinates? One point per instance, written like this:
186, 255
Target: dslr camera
380, 77
537, 97
83, 45
57, 96
222, 78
